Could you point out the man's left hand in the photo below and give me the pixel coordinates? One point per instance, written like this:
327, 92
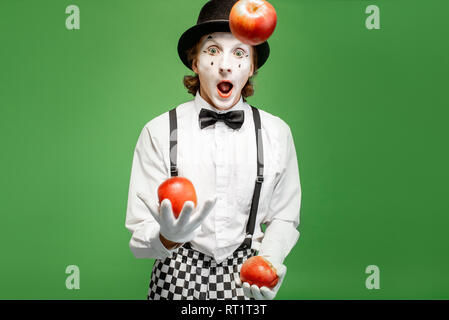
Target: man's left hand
263, 293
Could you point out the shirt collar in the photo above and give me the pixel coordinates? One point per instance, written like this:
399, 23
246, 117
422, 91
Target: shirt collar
200, 103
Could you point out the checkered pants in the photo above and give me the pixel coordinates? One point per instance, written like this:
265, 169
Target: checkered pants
192, 275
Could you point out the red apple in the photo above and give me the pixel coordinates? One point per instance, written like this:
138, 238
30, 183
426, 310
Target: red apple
252, 21
257, 270
178, 190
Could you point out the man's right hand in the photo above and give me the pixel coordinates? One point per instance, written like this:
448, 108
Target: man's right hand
184, 228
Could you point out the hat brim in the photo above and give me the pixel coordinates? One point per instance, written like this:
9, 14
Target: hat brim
194, 34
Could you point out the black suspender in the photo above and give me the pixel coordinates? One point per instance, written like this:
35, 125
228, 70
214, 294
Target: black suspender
251, 223
258, 184
173, 143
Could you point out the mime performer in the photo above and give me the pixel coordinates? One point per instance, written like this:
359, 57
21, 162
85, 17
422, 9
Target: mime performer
241, 160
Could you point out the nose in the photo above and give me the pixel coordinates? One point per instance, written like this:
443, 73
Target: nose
224, 65
225, 70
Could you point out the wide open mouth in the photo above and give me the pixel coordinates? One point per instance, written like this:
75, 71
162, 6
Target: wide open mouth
224, 88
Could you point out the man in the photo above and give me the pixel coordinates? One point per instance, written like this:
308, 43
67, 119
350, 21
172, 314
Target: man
241, 160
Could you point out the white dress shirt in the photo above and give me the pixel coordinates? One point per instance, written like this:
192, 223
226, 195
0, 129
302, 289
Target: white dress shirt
220, 162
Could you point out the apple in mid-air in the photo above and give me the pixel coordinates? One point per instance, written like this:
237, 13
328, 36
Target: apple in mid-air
178, 190
257, 270
252, 21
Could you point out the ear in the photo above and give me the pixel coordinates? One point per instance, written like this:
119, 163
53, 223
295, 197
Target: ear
253, 51
195, 66
252, 70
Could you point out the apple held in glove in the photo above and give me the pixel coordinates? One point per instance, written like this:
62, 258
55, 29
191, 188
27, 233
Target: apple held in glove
178, 190
258, 271
252, 21
178, 194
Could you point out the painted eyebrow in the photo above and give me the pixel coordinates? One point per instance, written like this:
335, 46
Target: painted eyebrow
211, 40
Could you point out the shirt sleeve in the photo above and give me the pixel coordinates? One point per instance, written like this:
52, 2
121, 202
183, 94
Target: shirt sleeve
281, 233
147, 173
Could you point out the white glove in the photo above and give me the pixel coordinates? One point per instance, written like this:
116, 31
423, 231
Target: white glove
185, 227
263, 293
273, 248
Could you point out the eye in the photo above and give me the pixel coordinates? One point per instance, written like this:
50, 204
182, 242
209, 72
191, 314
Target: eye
213, 50
239, 53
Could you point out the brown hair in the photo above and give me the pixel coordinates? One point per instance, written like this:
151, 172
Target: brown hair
192, 83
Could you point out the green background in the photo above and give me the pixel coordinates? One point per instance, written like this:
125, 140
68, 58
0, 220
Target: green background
368, 110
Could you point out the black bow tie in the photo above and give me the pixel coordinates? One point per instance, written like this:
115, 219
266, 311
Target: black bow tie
233, 119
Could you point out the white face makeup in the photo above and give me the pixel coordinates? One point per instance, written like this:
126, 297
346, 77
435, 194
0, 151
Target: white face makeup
223, 65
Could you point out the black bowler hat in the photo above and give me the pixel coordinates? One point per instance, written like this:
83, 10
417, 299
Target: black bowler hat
214, 17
